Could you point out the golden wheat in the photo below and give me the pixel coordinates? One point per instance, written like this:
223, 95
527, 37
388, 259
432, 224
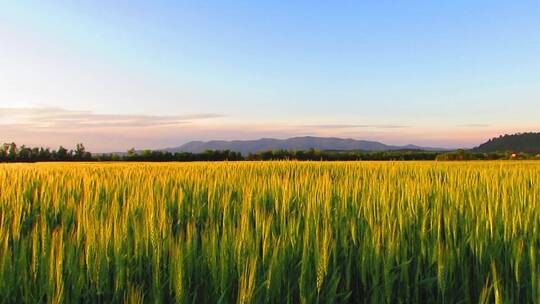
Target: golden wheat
270, 232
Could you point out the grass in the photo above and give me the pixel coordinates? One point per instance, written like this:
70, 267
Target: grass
270, 232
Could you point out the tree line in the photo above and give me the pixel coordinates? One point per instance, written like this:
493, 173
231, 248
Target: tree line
11, 152
325, 155
524, 142
461, 154
228, 155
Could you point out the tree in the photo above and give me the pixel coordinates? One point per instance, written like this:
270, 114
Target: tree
12, 151
44, 154
24, 154
62, 153
80, 152
131, 152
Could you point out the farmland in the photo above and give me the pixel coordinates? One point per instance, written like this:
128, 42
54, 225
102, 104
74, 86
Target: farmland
270, 232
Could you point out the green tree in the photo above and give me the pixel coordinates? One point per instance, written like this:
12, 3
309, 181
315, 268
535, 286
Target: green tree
81, 153
131, 152
62, 153
12, 151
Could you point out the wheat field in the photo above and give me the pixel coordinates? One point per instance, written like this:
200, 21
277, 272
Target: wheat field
270, 232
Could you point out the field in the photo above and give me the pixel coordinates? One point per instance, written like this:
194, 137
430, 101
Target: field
276, 232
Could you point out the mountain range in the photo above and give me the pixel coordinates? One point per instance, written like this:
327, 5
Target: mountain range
295, 143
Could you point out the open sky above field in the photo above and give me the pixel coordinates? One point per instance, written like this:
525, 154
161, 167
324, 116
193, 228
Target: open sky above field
152, 74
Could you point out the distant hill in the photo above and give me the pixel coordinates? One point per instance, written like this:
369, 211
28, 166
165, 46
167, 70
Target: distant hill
520, 142
295, 143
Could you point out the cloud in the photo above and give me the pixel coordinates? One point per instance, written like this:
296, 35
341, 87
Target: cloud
59, 119
51, 127
475, 125
353, 126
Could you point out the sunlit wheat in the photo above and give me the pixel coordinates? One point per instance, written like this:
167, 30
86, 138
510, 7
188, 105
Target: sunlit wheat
270, 232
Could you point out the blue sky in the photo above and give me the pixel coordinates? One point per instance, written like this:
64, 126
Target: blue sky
111, 73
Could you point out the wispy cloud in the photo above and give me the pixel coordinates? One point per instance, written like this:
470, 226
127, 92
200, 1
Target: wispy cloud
475, 125
59, 119
52, 126
353, 126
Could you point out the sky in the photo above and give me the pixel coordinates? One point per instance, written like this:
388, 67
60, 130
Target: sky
155, 74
